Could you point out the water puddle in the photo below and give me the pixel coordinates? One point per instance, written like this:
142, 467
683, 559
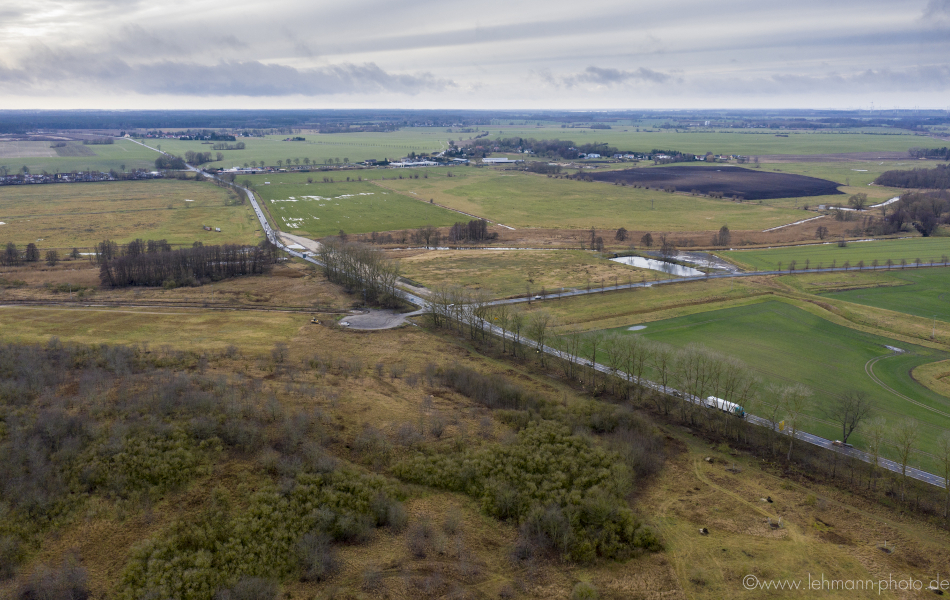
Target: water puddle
658, 265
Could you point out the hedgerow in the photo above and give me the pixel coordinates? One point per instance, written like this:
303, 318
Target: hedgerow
559, 486
196, 559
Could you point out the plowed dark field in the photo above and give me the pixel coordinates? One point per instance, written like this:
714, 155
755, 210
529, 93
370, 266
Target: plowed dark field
731, 181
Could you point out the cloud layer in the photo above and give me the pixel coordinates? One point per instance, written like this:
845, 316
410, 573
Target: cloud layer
613, 54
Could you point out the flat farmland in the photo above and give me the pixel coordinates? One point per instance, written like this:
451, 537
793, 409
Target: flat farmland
65, 215
784, 344
514, 272
519, 199
744, 142
39, 156
322, 209
926, 249
923, 292
319, 148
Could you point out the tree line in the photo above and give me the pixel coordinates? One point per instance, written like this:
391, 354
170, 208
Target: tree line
155, 263
935, 153
936, 178
360, 269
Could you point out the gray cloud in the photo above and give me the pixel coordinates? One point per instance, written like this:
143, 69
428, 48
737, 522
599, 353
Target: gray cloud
606, 77
937, 8
226, 78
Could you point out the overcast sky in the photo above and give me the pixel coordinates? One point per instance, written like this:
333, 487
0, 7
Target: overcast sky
486, 54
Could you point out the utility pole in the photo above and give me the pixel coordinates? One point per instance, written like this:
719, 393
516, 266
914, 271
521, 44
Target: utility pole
933, 332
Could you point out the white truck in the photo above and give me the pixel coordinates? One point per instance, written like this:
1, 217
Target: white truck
725, 406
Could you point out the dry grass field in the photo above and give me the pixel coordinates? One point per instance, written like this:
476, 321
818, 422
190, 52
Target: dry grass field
292, 284
505, 273
82, 214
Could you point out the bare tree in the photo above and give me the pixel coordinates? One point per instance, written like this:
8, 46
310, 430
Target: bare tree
538, 329
662, 358
942, 453
594, 340
906, 435
52, 257
794, 400
874, 435
849, 410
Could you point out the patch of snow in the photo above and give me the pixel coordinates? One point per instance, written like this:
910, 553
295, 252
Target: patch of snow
636, 328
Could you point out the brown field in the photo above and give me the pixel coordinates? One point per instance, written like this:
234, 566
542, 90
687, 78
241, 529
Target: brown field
751, 184
82, 214
290, 285
515, 272
935, 376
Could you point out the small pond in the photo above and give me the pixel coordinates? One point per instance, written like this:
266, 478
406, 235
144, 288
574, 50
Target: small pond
659, 265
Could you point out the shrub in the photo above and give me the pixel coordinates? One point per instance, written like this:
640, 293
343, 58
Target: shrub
317, 556
249, 588
584, 591
547, 478
66, 582
210, 553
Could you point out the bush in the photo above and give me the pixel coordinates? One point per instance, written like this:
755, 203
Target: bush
249, 588
9, 557
67, 582
317, 556
207, 554
584, 591
551, 480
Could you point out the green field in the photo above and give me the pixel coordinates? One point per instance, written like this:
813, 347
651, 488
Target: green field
824, 255
784, 344
744, 142
356, 147
39, 157
924, 293
322, 209
64, 215
519, 199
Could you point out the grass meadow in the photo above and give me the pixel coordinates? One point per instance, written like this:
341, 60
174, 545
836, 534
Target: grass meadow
520, 200
784, 345
39, 156
745, 142
924, 293
82, 214
320, 209
824, 255
320, 148
513, 272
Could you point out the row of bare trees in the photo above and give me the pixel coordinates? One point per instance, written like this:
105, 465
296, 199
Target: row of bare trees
187, 266
361, 269
681, 376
